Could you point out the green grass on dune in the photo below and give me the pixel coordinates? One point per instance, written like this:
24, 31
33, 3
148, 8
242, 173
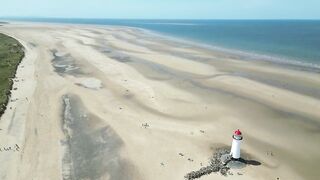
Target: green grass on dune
11, 54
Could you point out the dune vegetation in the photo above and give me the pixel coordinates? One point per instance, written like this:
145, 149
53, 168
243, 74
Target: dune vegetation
11, 54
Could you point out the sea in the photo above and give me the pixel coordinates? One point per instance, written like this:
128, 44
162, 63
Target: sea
287, 41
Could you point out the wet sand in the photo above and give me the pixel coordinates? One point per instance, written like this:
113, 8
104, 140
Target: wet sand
98, 102
91, 146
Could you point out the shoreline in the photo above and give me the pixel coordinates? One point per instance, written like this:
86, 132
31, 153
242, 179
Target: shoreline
245, 55
160, 99
241, 54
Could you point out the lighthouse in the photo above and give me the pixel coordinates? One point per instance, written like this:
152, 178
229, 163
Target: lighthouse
235, 148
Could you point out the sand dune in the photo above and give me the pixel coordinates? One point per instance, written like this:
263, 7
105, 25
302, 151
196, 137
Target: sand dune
85, 92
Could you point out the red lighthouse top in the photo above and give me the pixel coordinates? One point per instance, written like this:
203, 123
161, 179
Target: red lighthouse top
237, 132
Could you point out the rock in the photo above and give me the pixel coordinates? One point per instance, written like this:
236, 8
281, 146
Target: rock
215, 166
146, 125
224, 171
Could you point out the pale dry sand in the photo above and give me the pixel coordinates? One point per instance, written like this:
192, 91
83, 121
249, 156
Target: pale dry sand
84, 93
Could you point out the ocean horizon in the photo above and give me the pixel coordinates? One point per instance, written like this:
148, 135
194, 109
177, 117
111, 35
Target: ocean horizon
286, 41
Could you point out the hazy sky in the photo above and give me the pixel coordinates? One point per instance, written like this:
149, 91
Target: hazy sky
164, 9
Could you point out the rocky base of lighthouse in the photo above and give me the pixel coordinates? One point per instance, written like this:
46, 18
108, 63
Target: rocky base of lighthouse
221, 162
216, 165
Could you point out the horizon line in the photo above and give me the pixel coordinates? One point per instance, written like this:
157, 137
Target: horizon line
99, 18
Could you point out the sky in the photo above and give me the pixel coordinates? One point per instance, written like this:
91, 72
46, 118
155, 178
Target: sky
163, 9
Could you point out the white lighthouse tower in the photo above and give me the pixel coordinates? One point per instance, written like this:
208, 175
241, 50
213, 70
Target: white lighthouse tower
235, 148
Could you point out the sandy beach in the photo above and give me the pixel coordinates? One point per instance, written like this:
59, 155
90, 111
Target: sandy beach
118, 103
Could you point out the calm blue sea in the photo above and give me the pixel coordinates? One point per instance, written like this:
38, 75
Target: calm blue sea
283, 40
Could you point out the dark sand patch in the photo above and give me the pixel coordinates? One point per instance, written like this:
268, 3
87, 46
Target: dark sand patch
121, 58
91, 146
12, 121
32, 44
150, 70
95, 32
64, 64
